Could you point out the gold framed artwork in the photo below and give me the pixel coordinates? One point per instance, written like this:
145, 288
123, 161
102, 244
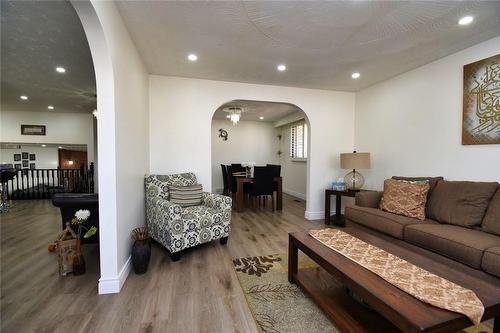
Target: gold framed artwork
481, 102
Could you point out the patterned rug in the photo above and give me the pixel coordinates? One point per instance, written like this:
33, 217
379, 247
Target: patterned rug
279, 306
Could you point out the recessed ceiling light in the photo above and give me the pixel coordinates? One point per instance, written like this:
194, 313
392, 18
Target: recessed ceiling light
261, 118
23, 97
355, 75
60, 147
50, 107
192, 57
466, 20
228, 116
281, 68
44, 146
60, 69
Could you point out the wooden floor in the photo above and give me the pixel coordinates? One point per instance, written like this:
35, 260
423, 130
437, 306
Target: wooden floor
200, 293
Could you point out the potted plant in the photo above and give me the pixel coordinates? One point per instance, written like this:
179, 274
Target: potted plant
141, 250
78, 221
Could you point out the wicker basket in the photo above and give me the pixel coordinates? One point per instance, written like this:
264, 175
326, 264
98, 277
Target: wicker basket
68, 246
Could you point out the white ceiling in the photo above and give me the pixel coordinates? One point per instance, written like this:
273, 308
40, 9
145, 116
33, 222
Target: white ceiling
37, 36
253, 110
321, 43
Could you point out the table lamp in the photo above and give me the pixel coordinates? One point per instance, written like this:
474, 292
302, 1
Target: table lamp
354, 180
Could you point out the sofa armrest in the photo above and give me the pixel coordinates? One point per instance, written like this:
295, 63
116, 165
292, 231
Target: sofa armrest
369, 199
217, 201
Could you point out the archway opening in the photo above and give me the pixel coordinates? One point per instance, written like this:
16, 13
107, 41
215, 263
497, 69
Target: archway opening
261, 133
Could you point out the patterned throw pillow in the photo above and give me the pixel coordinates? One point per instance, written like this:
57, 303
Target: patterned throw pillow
405, 198
186, 196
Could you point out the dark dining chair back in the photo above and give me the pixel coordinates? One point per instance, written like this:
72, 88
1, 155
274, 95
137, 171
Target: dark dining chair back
237, 168
231, 180
277, 169
224, 179
263, 181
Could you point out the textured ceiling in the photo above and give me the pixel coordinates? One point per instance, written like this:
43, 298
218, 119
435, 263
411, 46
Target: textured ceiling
252, 110
321, 43
35, 38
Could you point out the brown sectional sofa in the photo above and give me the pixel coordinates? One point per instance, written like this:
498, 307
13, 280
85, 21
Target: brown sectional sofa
462, 221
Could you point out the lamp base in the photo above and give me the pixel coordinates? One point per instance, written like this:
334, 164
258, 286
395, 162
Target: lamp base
354, 180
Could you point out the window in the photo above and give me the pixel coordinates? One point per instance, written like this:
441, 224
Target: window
298, 140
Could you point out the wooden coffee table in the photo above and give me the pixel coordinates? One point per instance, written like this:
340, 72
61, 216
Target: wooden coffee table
393, 309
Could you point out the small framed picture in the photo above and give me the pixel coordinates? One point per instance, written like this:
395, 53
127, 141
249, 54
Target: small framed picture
25, 164
32, 165
32, 157
33, 130
17, 157
25, 156
18, 166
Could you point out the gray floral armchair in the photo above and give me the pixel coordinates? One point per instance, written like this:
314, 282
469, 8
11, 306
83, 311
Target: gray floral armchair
178, 228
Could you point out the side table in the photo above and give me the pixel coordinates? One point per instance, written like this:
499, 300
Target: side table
339, 219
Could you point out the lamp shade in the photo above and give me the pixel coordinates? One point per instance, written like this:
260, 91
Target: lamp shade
355, 160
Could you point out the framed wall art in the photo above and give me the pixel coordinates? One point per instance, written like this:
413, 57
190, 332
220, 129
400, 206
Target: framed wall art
33, 129
481, 102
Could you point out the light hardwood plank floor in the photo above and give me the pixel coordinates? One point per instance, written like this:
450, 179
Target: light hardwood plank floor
199, 293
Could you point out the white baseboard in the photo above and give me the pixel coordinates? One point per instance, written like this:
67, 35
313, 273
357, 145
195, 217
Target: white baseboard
295, 194
314, 215
319, 215
113, 285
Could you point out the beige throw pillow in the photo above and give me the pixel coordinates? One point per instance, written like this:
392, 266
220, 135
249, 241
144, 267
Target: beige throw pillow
405, 198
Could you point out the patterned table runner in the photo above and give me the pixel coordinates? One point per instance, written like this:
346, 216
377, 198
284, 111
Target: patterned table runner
417, 282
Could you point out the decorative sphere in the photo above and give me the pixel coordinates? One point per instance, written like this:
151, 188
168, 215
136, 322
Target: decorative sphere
354, 180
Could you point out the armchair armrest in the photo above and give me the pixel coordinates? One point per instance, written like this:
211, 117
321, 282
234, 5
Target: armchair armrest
368, 199
162, 213
217, 201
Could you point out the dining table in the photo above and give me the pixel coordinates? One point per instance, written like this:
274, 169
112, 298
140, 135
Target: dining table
242, 178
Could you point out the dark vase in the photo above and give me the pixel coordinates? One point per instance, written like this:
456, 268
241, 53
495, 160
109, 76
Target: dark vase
141, 253
78, 265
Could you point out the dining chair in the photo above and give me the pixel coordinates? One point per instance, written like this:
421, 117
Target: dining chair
231, 180
277, 169
237, 167
226, 190
263, 184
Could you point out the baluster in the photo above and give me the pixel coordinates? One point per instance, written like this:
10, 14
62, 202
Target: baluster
37, 184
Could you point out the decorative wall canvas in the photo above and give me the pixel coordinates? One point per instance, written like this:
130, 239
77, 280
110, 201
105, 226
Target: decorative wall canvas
17, 157
25, 156
33, 129
481, 102
32, 165
32, 157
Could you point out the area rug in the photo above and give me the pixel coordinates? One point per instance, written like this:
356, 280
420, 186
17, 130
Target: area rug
279, 306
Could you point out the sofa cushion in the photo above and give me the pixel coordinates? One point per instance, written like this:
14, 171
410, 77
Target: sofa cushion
432, 181
491, 221
186, 196
460, 203
405, 198
491, 261
384, 222
458, 243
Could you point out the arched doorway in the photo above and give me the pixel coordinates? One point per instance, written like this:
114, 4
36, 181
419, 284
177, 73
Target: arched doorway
267, 132
106, 149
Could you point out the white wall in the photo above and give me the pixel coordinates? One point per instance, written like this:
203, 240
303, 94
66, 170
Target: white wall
61, 128
122, 103
181, 111
294, 172
412, 124
248, 141
45, 158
